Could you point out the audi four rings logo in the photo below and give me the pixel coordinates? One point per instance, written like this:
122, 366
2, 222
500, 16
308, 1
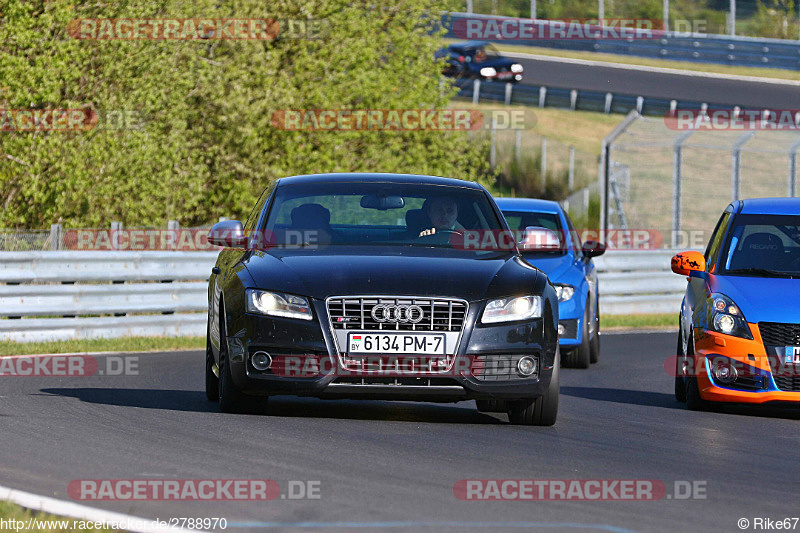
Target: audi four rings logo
397, 313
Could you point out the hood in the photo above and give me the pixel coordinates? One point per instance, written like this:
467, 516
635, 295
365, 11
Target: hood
761, 299
557, 268
372, 270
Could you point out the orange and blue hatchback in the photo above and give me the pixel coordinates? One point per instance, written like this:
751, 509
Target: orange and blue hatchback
739, 335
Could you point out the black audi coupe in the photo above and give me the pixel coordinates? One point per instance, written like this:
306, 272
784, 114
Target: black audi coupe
381, 286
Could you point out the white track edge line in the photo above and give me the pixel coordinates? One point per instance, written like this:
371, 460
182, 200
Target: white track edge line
55, 506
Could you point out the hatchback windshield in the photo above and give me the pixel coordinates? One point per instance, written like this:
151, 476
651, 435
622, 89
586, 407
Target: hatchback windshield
373, 213
763, 245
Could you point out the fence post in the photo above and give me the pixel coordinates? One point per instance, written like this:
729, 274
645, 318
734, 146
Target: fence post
172, 233
677, 183
609, 99
469, 6
544, 163
736, 167
116, 227
571, 178
518, 148
508, 93
56, 231
493, 145
476, 91
793, 169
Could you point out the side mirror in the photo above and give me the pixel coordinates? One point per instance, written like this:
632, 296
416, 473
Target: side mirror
538, 239
228, 233
687, 262
593, 249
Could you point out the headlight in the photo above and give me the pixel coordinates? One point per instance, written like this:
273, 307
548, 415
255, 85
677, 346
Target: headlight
488, 72
564, 292
512, 309
516, 67
725, 317
277, 304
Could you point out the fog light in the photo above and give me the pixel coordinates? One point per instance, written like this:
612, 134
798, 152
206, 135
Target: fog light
561, 329
724, 373
261, 361
526, 366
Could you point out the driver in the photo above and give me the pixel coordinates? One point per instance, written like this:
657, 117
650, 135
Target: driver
443, 214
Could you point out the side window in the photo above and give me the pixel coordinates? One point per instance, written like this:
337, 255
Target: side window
576, 239
254, 214
716, 241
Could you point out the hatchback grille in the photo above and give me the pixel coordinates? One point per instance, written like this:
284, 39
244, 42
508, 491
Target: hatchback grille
780, 334
437, 314
787, 383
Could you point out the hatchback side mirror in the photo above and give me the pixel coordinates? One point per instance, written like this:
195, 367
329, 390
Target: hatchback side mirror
228, 233
685, 263
538, 239
593, 249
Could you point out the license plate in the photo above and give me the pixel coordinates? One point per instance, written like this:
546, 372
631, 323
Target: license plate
793, 355
400, 343
503, 75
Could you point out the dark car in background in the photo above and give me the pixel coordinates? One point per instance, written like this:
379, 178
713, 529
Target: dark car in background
479, 60
571, 270
359, 286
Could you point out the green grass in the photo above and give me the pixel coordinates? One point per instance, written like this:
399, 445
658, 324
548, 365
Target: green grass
654, 321
759, 72
10, 511
122, 344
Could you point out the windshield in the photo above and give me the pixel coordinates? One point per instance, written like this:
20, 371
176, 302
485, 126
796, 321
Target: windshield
763, 246
370, 213
485, 53
519, 220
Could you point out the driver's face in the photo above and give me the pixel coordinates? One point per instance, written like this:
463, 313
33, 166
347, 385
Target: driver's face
443, 213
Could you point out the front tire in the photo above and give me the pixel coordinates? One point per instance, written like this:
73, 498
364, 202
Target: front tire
581, 356
231, 399
680, 384
212, 381
594, 347
694, 401
541, 411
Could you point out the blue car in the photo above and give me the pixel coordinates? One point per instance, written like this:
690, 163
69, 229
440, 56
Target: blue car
571, 270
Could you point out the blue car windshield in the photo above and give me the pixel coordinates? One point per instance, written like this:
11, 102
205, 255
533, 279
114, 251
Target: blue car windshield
380, 213
763, 246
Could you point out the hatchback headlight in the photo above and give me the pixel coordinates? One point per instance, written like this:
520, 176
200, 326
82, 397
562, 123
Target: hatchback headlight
725, 317
564, 291
488, 72
516, 67
512, 309
277, 304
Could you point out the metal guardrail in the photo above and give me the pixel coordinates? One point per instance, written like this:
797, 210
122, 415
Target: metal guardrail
582, 100
69, 295
701, 48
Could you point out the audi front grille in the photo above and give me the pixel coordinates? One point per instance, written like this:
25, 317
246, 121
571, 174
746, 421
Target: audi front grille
397, 313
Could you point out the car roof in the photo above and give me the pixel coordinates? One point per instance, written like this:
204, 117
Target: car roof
770, 206
528, 204
377, 177
468, 45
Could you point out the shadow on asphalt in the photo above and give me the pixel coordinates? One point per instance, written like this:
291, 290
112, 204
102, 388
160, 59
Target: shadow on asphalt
284, 406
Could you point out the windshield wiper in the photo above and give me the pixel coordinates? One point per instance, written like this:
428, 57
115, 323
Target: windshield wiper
764, 272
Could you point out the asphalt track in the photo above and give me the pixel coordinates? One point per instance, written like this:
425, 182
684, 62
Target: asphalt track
392, 466
653, 84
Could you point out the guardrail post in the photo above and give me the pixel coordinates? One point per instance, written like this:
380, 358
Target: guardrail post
508, 93
639, 104
56, 232
173, 226
518, 148
736, 167
493, 144
793, 169
571, 177
609, 98
677, 182
116, 227
542, 95
573, 99
544, 163
673, 105
476, 91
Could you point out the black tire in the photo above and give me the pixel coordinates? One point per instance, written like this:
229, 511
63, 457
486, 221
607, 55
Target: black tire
693, 399
541, 411
680, 384
231, 399
212, 381
491, 406
594, 347
581, 356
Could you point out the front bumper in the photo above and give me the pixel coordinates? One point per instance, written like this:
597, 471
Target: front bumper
750, 357
305, 362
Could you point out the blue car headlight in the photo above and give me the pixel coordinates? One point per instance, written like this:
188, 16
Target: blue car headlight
725, 317
564, 291
512, 309
277, 304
